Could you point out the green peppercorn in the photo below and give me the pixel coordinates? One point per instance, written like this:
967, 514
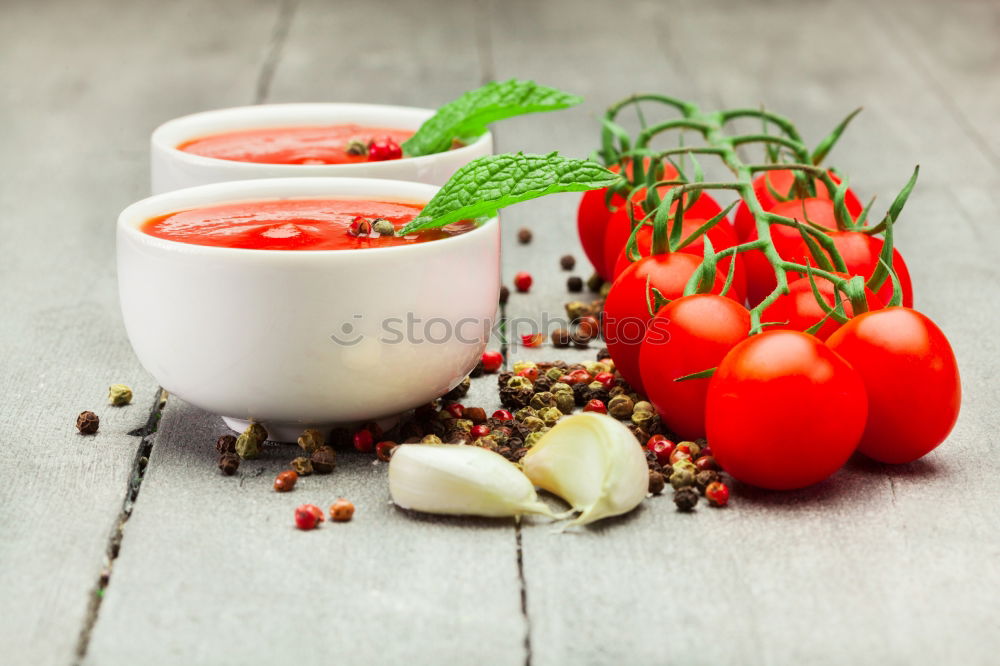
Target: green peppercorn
620, 406
595, 282
323, 460
554, 374
520, 366
518, 382
656, 482
685, 499
533, 438
694, 447
542, 400
533, 423
487, 442
119, 395
642, 418
310, 440
257, 431
550, 415
357, 147
247, 446
383, 227
524, 413
560, 386
431, 439
302, 466
565, 401
577, 309
596, 367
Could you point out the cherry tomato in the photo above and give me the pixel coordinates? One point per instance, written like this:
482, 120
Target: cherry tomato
861, 256
686, 336
721, 237
788, 242
781, 181
619, 226
784, 410
801, 311
910, 373
626, 309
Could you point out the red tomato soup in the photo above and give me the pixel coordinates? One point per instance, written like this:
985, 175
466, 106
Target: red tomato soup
295, 224
330, 144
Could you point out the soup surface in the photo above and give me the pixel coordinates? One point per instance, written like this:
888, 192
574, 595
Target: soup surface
329, 144
296, 224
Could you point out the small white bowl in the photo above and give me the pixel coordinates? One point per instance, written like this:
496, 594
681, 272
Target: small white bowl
297, 339
174, 169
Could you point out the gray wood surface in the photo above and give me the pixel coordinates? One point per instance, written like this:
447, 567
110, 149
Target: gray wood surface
878, 565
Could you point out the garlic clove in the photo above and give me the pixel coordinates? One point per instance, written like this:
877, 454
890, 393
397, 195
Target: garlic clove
460, 480
593, 462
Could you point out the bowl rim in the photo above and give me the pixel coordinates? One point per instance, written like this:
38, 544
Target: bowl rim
159, 142
249, 190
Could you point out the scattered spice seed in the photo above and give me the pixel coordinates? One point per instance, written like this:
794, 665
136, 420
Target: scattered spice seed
681, 477
595, 282
524, 236
560, 338
706, 462
532, 339
504, 294
685, 499
363, 441
503, 415
717, 494
523, 281
460, 390
324, 459
302, 466
480, 430
567, 262
383, 149
357, 147
310, 440
384, 449
656, 482
456, 410
360, 226
574, 284
475, 414
247, 446
308, 516
341, 511
87, 423
229, 463
119, 395
225, 444
620, 407
661, 447
704, 478
285, 481
383, 227
491, 360
595, 406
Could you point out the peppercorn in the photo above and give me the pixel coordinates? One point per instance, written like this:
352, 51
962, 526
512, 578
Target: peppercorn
578, 397
587, 328
595, 406
459, 427
680, 454
501, 434
694, 448
384, 450
533, 423
576, 309
491, 361
637, 432
661, 447
247, 446
487, 442
516, 393
656, 482
560, 338
459, 391
620, 406
542, 400
523, 281
717, 494
574, 284
506, 452
308, 516
302, 466
596, 391
706, 462
705, 477
518, 453
383, 227
119, 395
533, 438
285, 480
641, 417
323, 459
87, 423
225, 444
542, 385
504, 294
524, 236
532, 339
685, 499
229, 463
550, 415
565, 401
257, 431
527, 369
310, 440
595, 282
360, 227
602, 354
456, 410
502, 414
567, 261
357, 147
431, 439
341, 511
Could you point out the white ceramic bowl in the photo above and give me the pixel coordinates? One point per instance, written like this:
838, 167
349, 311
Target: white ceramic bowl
250, 333
174, 169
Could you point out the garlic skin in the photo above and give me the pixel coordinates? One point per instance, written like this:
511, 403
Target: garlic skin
593, 462
458, 479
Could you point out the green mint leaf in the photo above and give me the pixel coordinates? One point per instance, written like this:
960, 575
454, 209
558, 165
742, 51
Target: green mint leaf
467, 117
483, 186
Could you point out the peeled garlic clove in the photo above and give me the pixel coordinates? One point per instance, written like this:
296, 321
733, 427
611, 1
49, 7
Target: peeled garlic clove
593, 462
460, 480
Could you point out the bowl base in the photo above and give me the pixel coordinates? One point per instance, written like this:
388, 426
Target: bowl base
289, 432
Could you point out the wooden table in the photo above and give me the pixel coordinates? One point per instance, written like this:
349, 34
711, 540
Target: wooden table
878, 565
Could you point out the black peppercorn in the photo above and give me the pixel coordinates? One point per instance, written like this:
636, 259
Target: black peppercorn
229, 463
504, 294
596, 391
603, 353
87, 423
578, 394
656, 482
574, 284
459, 391
705, 477
478, 370
685, 499
560, 338
516, 393
503, 378
542, 384
524, 236
225, 444
323, 460
567, 261
595, 282
518, 454
581, 341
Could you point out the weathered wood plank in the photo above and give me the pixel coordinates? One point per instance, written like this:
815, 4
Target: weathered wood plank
84, 83
385, 588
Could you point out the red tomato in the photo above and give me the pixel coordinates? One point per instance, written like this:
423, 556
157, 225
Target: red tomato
619, 227
781, 182
799, 307
911, 376
626, 309
592, 219
784, 411
686, 336
861, 253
